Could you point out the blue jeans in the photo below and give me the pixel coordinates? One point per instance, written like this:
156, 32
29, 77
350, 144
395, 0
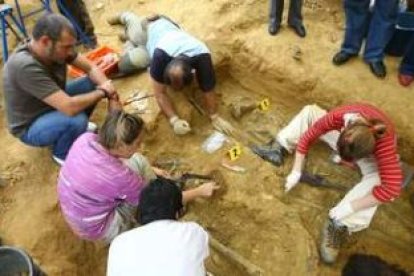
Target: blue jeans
376, 26
407, 64
57, 129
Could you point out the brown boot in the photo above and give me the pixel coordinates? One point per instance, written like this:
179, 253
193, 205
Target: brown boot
114, 19
333, 236
122, 37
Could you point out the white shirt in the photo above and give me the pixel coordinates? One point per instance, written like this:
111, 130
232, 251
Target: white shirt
164, 247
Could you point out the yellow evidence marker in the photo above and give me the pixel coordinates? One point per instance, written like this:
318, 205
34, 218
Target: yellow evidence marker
264, 104
235, 152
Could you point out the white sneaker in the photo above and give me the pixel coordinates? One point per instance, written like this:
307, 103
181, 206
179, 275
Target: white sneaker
58, 161
92, 127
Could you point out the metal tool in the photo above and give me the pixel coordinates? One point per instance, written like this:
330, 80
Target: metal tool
136, 98
316, 180
187, 176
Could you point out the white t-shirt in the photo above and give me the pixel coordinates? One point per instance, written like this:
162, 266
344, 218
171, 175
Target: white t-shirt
164, 247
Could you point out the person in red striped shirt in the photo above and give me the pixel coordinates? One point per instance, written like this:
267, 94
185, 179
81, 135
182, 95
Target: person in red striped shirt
358, 133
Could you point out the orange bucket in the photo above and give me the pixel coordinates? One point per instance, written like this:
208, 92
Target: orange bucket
104, 57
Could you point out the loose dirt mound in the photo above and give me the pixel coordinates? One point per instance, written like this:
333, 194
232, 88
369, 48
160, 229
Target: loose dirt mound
276, 232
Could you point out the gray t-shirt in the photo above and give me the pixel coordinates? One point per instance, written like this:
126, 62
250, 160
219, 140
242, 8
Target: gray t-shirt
27, 82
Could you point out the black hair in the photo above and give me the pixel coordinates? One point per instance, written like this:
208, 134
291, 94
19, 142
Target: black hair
182, 62
161, 199
52, 25
362, 265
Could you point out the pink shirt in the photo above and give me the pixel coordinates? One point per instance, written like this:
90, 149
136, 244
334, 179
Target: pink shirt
91, 184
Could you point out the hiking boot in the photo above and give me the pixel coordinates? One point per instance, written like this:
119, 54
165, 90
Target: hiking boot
333, 236
114, 19
273, 153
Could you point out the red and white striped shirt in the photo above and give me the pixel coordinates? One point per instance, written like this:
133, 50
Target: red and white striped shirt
385, 150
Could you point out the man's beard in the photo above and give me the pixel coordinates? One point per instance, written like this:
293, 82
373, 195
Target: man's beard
51, 54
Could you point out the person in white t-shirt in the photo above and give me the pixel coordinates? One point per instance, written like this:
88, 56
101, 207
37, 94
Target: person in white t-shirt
162, 245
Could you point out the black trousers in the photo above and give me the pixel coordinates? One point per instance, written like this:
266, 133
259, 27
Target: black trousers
295, 11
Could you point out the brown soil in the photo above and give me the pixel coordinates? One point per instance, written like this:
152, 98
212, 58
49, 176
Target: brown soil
275, 231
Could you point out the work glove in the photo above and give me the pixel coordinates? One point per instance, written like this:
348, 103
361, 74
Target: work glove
222, 125
341, 211
292, 179
181, 127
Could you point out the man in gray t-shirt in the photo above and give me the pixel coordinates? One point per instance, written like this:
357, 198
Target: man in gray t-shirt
42, 110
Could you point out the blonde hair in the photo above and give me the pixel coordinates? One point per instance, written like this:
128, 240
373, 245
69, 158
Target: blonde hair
358, 139
120, 128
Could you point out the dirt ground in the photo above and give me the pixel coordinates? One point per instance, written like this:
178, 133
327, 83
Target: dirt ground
275, 231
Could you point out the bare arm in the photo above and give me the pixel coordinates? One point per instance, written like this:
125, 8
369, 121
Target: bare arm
96, 75
210, 102
163, 99
71, 106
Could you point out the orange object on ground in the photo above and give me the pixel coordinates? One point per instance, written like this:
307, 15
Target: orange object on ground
104, 57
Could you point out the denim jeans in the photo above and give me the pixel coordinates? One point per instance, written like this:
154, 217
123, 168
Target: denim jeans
58, 130
407, 64
376, 26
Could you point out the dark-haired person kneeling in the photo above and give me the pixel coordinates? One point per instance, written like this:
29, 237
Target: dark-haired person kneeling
162, 245
175, 58
358, 133
101, 181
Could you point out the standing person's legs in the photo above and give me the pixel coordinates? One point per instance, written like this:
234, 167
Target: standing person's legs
57, 130
357, 19
86, 22
289, 136
380, 29
80, 14
407, 63
275, 15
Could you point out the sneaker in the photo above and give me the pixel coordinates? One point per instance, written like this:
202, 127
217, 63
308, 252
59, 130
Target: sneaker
405, 80
273, 153
58, 161
92, 127
333, 236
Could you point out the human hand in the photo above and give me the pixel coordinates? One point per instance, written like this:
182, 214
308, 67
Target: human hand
207, 189
114, 105
222, 125
181, 127
292, 179
109, 89
161, 172
341, 211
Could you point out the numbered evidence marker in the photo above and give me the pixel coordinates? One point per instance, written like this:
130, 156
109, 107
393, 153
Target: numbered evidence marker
235, 152
264, 104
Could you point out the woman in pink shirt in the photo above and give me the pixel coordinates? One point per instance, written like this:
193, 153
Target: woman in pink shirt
359, 133
100, 183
